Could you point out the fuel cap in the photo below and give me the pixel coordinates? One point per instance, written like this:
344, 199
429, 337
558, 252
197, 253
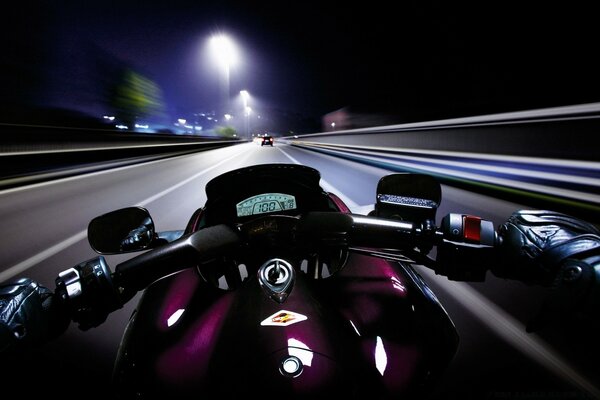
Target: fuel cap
276, 277
291, 366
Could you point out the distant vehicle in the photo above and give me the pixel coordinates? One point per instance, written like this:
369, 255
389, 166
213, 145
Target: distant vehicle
267, 140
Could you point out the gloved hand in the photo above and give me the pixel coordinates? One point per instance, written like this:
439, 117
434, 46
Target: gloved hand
534, 243
29, 315
554, 250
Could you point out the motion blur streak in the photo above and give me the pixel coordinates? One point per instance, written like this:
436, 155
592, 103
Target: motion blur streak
191, 178
57, 248
513, 332
41, 256
475, 170
78, 175
327, 186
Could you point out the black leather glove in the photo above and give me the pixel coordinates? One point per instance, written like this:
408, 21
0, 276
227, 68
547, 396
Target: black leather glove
29, 315
534, 244
557, 251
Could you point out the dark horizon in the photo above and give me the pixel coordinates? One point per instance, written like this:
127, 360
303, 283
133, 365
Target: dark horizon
410, 63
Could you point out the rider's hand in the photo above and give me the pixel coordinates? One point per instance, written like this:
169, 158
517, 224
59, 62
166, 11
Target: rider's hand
557, 251
534, 244
29, 315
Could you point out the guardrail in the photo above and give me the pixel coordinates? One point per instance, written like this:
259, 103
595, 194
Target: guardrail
33, 153
545, 158
560, 132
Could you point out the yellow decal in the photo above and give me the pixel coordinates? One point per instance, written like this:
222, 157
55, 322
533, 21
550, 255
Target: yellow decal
283, 318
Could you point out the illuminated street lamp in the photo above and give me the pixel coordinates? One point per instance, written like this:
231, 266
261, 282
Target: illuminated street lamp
245, 97
226, 55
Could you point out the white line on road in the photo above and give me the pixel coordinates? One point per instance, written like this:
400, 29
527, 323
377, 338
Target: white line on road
11, 272
77, 177
191, 178
41, 256
512, 331
327, 186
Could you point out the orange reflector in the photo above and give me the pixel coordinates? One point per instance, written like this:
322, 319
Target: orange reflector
472, 228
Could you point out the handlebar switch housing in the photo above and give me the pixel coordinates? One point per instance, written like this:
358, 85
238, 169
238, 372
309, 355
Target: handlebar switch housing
466, 251
88, 290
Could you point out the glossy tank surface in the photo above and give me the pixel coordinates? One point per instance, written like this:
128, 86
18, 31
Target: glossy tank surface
372, 329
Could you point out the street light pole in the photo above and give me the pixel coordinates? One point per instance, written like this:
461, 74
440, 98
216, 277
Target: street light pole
245, 96
226, 55
248, 111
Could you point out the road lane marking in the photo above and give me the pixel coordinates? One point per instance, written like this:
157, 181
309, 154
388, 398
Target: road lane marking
86, 175
327, 186
24, 265
512, 331
191, 178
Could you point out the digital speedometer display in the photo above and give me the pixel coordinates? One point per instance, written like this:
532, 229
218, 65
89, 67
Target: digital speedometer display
265, 203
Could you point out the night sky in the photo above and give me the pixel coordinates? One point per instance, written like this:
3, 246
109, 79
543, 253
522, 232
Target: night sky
411, 61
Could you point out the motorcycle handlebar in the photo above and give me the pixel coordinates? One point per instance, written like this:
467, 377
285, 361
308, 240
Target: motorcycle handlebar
92, 292
363, 230
359, 230
137, 273
464, 245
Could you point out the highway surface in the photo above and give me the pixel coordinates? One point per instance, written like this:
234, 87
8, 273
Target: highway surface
43, 232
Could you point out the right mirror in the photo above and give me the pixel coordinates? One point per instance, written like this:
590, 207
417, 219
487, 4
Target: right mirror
408, 196
121, 231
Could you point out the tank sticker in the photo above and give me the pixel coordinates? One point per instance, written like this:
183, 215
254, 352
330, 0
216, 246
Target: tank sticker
283, 318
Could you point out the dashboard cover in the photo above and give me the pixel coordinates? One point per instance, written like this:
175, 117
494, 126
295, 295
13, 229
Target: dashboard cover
228, 191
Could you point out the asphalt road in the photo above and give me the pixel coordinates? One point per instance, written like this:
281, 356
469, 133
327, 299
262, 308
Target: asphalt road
43, 232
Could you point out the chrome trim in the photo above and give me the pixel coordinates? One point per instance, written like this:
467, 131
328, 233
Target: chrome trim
276, 278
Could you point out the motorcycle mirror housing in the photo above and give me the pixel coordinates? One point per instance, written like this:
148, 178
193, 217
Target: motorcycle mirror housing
408, 196
121, 231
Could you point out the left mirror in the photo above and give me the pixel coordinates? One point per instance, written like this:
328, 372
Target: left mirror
121, 231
